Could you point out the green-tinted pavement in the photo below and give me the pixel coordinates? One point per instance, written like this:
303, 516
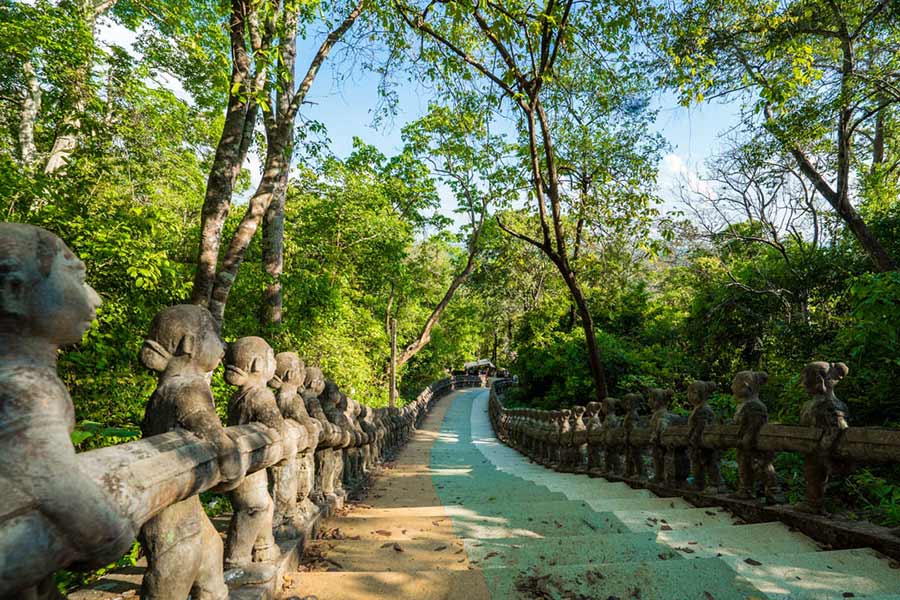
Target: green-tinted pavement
479, 520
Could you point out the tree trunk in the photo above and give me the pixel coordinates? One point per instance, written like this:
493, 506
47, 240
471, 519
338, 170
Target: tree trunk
425, 335
67, 140
587, 323
240, 121
31, 106
273, 253
277, 164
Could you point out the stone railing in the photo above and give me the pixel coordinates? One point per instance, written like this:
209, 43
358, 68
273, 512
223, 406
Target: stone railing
675, 455
144, 478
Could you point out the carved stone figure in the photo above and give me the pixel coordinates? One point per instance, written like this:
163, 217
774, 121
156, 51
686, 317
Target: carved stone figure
753, 465
634, 456
367, 423
184, 551
825, 411
659, 421
290, 478
593, 426
704, 461
612, 463
563, 431
44, 304
250, 365
326, 457
331, 401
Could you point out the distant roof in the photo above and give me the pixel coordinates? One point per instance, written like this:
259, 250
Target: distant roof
478, 363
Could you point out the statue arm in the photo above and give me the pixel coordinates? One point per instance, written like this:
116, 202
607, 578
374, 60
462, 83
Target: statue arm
205, 424
77, 506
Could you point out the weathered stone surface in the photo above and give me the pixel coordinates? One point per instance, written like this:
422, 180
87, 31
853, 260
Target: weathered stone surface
249, 365
829, 414
44, 304
184, 552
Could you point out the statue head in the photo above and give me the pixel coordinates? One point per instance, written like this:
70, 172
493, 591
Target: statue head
314, 381
659, 398
698, 392
249, 361
746, 384
182, 335
610, 406
820, 377
290, 372
42, 289
331, 397
633, 402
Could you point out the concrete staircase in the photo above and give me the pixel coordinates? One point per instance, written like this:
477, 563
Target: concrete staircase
462, 516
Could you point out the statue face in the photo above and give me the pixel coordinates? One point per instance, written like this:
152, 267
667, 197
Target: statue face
63, 305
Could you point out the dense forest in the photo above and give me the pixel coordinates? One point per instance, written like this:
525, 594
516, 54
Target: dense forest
562, 258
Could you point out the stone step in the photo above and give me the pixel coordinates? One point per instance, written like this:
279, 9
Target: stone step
671, 519
470, 509
651, 504
698, 579
396, 585
397, 555
742, 541
519, 553
568, 518
820, 575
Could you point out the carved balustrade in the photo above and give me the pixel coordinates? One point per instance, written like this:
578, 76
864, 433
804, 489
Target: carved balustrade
674, 455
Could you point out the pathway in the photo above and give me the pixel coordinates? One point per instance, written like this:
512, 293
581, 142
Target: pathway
462, 516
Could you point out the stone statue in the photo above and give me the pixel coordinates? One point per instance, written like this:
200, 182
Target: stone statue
593, 422
250, 365
704, 461
612, 464
634, 456
44, 304
659, 422
286, 476
367, 423
563, 432
825, 411
184, 551
753, 465
325, 456
331, 400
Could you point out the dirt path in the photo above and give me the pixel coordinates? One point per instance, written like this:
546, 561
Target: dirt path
399, 542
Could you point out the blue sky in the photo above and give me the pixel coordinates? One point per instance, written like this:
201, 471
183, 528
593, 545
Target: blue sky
346, 105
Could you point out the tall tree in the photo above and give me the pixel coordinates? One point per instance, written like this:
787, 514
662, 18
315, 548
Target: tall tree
457, 143
519, 48
815, 74
264, 43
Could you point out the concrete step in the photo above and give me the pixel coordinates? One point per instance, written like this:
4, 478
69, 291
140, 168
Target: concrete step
670, 519
470, 509
520, 553
397, 555
742, 541
820, 575
396, 585
698, 579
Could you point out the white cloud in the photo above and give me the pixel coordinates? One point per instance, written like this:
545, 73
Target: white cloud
677, 174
